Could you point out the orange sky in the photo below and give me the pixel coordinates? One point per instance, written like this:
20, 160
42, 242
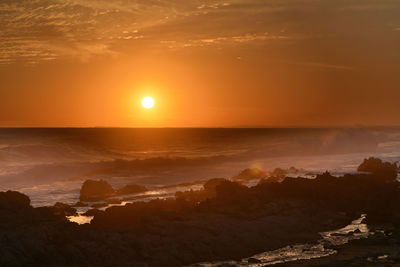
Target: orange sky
206, 63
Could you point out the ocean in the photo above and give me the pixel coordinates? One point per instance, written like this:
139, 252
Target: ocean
50, 164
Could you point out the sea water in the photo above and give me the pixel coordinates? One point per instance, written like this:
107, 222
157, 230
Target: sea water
50, 165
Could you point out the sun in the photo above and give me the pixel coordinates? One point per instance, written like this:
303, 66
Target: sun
148, 102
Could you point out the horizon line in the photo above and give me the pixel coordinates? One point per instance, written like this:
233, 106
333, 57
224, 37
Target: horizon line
202, 127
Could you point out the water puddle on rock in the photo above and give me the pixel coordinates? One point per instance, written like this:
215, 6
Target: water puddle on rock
325, 247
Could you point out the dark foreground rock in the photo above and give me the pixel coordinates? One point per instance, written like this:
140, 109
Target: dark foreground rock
225, 220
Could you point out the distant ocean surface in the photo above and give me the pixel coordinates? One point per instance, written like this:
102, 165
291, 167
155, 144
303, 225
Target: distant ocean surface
50, 165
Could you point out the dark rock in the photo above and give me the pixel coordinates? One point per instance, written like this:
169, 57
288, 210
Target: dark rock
13, 199
271, 179
253, 260
61, 209
236, 223
210, 185
95, 190
92, 212
230, 191
376, 166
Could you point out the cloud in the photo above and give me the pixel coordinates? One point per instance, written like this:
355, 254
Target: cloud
37, 30
224, 40
44, 30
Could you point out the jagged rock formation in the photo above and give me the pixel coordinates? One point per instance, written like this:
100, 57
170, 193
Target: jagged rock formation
376, 166
225, 220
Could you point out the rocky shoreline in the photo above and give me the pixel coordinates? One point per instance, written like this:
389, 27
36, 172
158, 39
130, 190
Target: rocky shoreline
223, 221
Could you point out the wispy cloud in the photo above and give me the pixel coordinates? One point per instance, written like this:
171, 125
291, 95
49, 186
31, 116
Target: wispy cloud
37, 30
224, 40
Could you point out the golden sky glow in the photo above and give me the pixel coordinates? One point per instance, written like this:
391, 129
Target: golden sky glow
209, 62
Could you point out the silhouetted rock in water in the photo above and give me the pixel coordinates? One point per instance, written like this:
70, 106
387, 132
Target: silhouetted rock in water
13, 199
376, 166
61, 209
92, 212
249, 174
79, 204
95, 190
131, 189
